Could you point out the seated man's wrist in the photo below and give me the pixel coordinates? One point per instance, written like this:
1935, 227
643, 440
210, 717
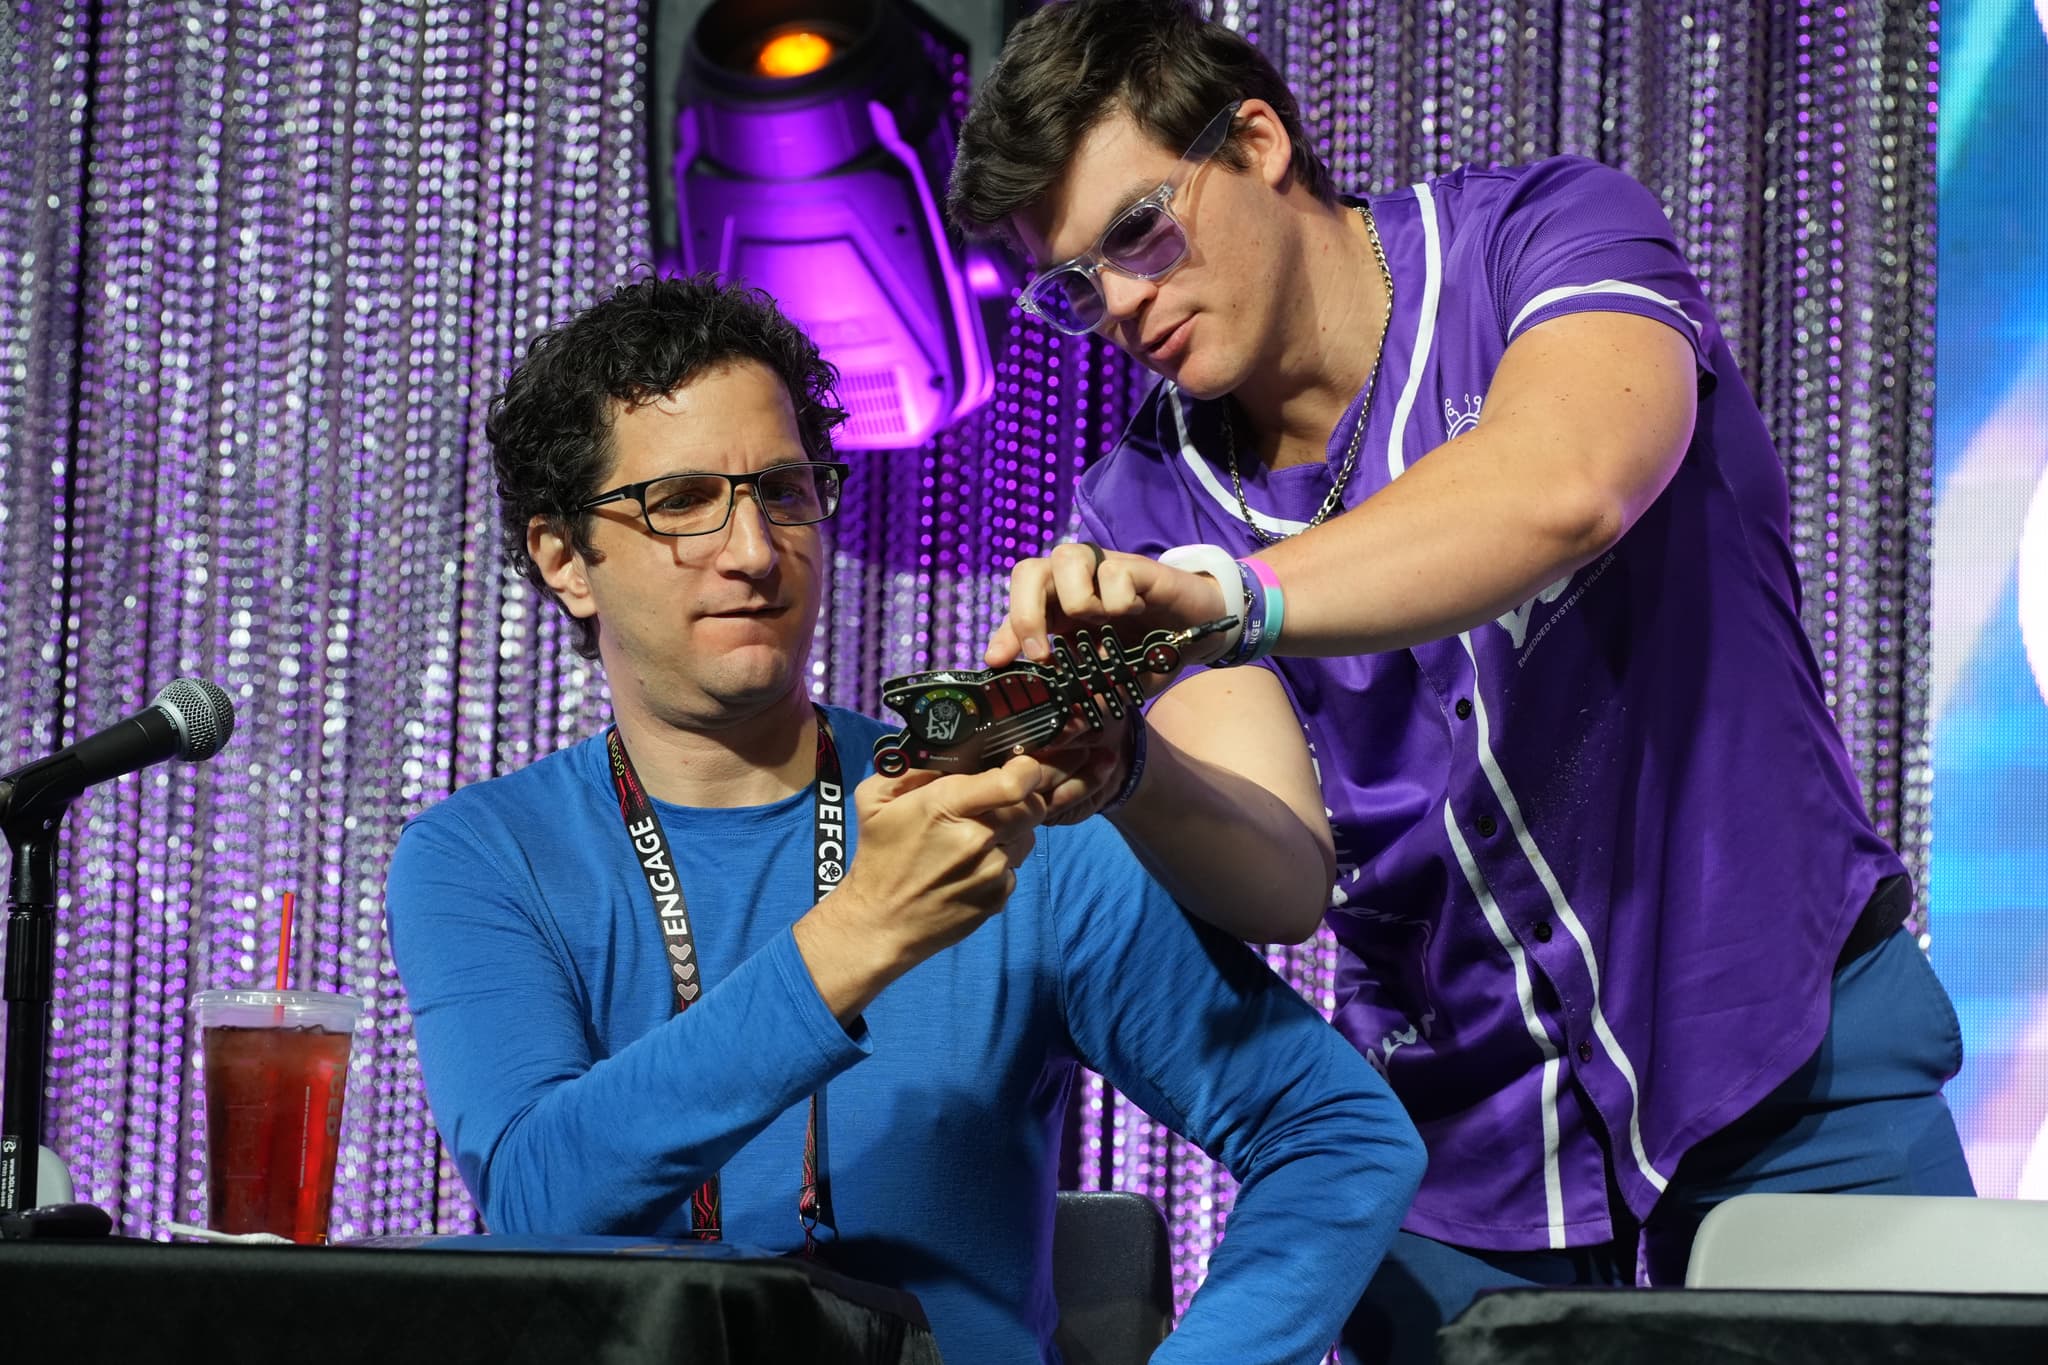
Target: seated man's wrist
1135, 753
849, 965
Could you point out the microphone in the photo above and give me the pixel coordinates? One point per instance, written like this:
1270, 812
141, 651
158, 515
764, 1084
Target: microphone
189, 719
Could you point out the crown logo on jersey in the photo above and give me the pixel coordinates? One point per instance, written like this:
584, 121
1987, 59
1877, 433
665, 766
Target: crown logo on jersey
1459, 420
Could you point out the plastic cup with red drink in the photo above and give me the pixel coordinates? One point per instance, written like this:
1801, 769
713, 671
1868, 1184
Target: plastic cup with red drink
276, 1067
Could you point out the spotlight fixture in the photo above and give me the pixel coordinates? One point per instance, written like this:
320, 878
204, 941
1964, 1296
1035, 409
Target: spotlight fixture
813, 139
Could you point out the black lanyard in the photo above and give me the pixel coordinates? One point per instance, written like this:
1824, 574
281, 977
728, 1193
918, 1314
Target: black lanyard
650, 850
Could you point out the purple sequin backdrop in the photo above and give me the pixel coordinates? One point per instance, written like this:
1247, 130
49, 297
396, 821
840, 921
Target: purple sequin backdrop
261, 264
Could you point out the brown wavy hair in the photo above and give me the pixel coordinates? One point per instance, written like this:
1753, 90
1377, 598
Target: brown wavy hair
1073, 63
550, 426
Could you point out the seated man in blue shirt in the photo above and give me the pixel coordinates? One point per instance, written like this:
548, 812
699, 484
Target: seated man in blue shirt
665, 980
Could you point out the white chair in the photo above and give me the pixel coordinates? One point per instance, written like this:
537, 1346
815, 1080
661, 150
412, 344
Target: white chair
1906, 1243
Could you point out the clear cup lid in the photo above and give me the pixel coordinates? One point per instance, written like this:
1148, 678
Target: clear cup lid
277, 1009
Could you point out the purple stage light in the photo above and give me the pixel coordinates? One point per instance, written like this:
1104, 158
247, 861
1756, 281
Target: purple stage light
810, 143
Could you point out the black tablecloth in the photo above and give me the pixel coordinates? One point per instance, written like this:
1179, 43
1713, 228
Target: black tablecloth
438, 1300
1744, 1327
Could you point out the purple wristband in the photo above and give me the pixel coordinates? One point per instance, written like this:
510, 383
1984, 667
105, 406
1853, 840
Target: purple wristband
1252, 633
1130, 786
1265, 584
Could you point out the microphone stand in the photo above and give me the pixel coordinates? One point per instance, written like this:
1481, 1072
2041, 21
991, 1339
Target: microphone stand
31, 939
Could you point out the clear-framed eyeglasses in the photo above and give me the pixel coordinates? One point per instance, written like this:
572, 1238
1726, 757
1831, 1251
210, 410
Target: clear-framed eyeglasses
1145, 241
793, 494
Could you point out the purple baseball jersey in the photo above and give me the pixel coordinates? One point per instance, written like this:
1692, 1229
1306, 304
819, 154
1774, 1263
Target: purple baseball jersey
1596, 858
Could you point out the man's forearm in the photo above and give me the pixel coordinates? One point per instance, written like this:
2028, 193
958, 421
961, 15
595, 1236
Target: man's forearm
1587, 420
1228, 849
849, 969
1452, 544
1310, 1226
616, 1147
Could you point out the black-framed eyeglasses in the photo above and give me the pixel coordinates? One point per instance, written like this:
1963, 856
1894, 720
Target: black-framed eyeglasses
1145, 241
793, 494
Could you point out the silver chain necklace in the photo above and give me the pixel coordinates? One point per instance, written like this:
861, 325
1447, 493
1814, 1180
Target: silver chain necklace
1357, 432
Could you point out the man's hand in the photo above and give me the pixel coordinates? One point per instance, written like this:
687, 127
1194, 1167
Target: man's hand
1086, 768
938, 855
1080, 583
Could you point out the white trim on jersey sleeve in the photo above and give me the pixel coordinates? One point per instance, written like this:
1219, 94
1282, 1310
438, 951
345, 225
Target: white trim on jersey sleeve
1625, 288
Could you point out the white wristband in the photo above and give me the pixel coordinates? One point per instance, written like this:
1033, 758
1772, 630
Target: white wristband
1220, 565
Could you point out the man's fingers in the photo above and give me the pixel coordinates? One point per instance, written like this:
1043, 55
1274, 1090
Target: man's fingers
979, 796
1016, 848
1071, 802
1116, 587
1027, 769
1073, 577
876, 791
1002, 646
1030, 587
1081, 582
1009, 819
1011, 794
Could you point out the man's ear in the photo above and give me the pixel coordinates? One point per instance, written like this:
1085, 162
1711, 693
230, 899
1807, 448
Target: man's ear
1266, 142
562, 565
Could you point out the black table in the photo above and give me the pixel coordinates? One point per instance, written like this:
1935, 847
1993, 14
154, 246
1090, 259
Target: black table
1744, 1327
443, 1300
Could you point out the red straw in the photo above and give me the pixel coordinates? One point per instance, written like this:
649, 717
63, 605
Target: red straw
284, 945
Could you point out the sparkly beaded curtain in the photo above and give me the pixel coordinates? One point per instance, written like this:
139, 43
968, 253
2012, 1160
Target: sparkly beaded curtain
262, 263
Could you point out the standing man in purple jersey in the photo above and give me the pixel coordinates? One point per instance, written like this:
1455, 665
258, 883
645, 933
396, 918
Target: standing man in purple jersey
1475, 464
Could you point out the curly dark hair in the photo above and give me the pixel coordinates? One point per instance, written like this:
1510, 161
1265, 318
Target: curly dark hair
1071, 64
550, 426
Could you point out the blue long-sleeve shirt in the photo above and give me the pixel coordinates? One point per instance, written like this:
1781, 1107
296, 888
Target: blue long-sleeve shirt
575, 1102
